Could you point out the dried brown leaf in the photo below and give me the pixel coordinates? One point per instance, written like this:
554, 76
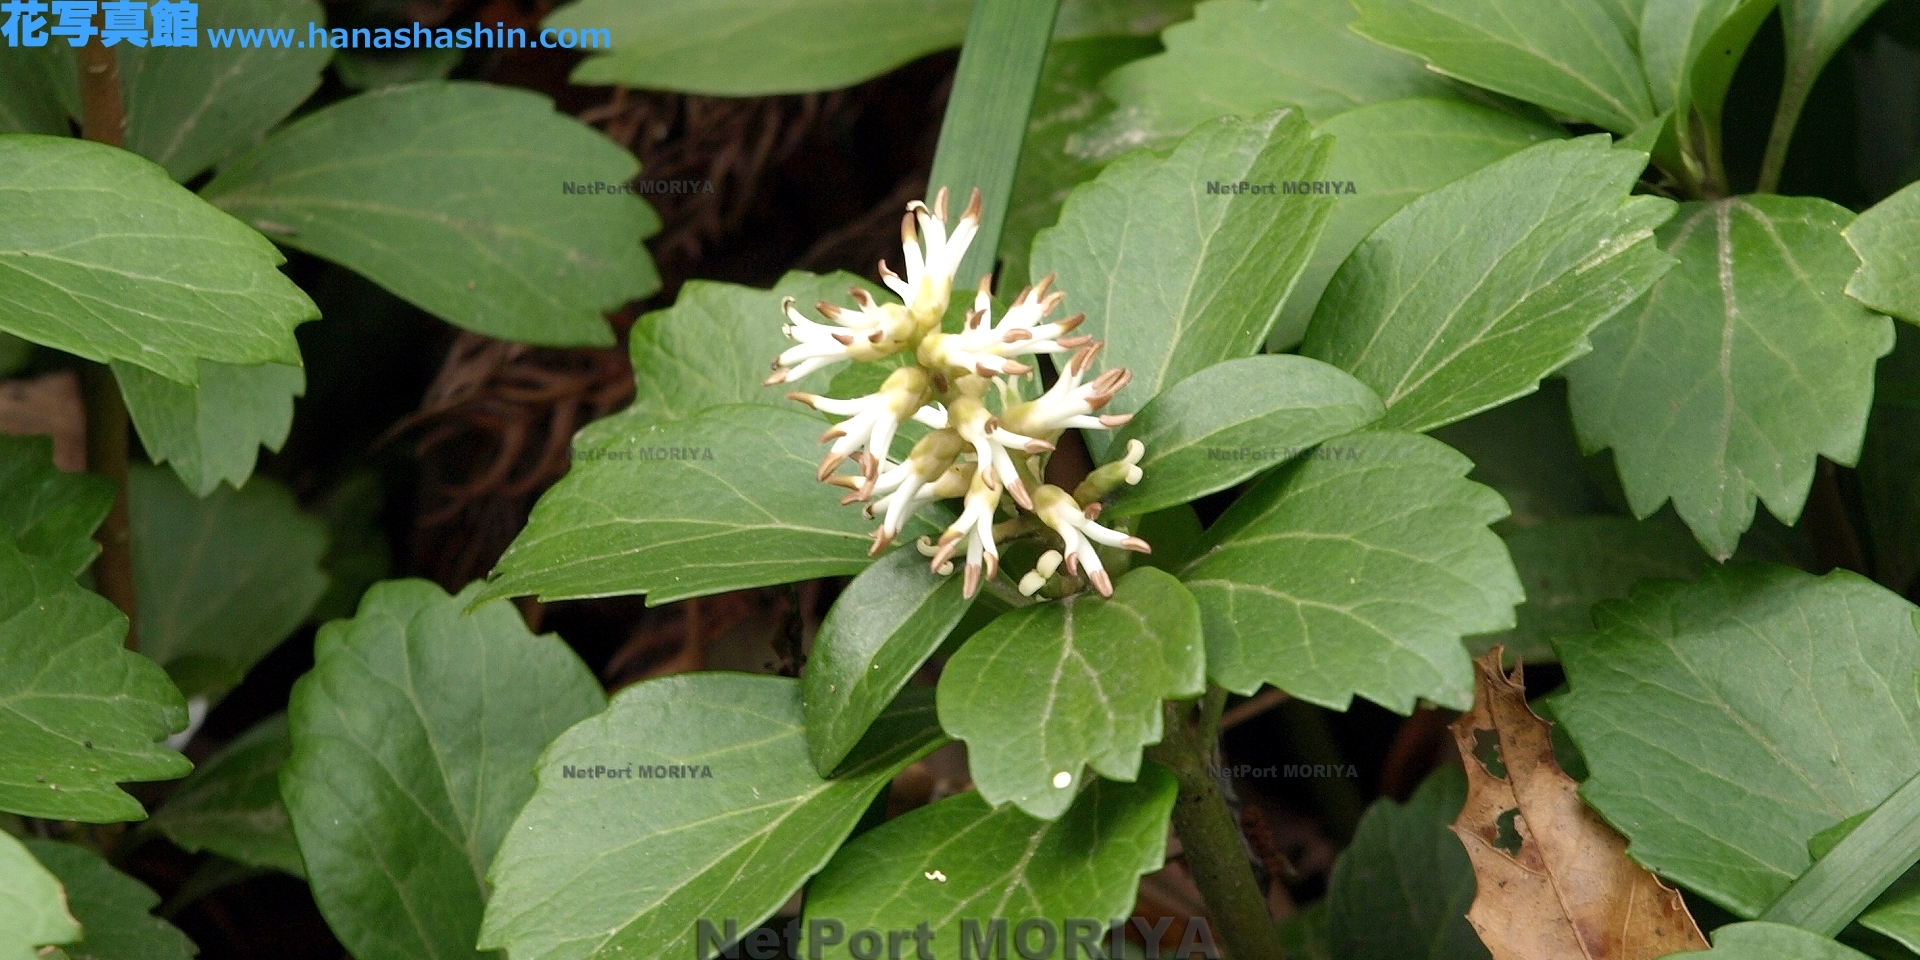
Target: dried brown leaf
1554, 880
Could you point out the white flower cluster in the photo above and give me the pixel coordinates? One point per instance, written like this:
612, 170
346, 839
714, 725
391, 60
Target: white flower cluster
985, 439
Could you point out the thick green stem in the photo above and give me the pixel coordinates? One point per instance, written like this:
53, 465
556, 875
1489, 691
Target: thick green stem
1215, 852
103, 120
1793, 99
987, 114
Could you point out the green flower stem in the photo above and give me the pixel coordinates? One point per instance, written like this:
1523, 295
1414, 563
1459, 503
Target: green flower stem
1216, 854
1840, 885
103, 120
987, 114
1793, 98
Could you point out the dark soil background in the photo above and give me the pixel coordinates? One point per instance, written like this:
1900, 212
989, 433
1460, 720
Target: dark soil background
464, 432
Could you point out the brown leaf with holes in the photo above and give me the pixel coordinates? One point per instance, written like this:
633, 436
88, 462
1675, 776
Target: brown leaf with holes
1554, 880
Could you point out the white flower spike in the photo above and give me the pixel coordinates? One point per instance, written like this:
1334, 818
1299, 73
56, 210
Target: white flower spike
985, 439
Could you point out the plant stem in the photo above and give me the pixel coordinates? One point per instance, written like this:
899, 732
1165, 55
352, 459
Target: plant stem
1215, 852
103, 120
107, 456
1793, 98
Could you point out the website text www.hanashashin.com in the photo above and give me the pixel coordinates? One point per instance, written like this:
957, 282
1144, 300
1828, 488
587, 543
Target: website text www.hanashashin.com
176, 23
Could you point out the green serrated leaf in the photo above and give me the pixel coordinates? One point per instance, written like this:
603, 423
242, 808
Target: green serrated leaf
49, 512
1173, 278
1064, 105
212, 431
1745, 362
1727, 721
187, 109
1568, 565
884, 625
1196, 445
1047, 690
78, 713
715, 344
1359, 574
1887, 239
1241, 58
668, 849
33, 908
221, 580
1402, 888
1392, 153
453, 197
1774, 941
961, 859
110, 259
1471, 294
414, 742
724, 500
745, 48
113, 908
1574, 58
231, 805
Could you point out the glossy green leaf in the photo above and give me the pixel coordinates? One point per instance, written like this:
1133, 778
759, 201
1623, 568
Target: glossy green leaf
113, 908
1196, 445
453, 196
1241, 58
1359, 574
884, 625
33, 908
1727, 721
1573, 58
1742, 365
725, 500
50, 513
1569, 565
1691, 49
1065, 104
231, 805
221, 580
414, 742
1047, 690
189, 108
961, 859
107, 258
1887, 238
212, 431
716, 343
1176, 279
1392, 153
745, 48
1774, 941
78, 713
1402, 888
724, 818
1471, 294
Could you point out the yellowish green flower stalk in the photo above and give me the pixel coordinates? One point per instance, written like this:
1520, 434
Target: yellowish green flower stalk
988, 444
